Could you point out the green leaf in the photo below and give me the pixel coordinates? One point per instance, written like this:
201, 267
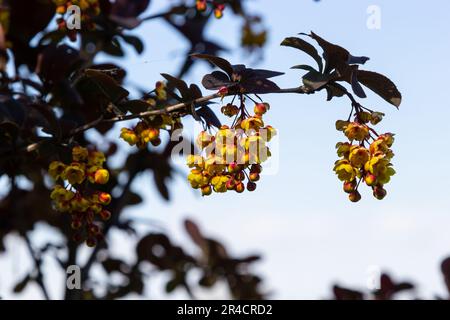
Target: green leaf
381, 85
305, 47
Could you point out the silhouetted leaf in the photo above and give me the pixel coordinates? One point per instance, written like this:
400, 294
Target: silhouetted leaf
215, 80
135, 106
219, 62
258, 86
135, 42
107, 85
356, 87
305, 47
209, 116
381, 85
316, 80
304, 67
21, 285
334, 90
179, 84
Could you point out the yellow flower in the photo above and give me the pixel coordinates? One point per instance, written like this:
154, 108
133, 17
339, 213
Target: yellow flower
385, 176
267, 133
101, 176
195, 160
341, 125
345, 171
214, 165
343, 149
74, 173
129, 136
96, 158
149, 134
55, 169
252, 123
197, 179
161, 90
358, 156
204, 139
79, 153
206, 190
377, 165
388, 138
60, 194
220, 183
79, 204
356, 131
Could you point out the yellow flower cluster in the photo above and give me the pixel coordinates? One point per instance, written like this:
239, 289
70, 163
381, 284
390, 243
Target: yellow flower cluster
78, 198
202, 5
88, 9
141, 135
4, 15
232, 155
148, 129
86, 6
371, 164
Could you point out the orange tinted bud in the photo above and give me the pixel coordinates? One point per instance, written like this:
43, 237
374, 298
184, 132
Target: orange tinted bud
240, 176
355, 196
105, 215
156, 142
370, 179
76, 224
240, 187
233, 167
260, 108
91, 242
256, 168
104, 198
231, 184
251, 186
254, 176
206, 190
223, 91
101, 176
349, 186
379, 192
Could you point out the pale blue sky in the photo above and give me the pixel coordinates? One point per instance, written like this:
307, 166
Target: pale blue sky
310, 235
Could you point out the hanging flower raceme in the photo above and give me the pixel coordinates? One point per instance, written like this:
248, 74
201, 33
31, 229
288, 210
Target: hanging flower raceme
88, 10
217, 6
366, 157
231, 158
148, 129
76, 194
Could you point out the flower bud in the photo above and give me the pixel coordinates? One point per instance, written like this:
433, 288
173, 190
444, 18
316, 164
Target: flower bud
370, 179
251, 186
355, 196
240, 187
379, 192
104, 198
101, 176
349, 186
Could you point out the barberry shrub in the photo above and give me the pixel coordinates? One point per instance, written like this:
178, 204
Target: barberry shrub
58, 95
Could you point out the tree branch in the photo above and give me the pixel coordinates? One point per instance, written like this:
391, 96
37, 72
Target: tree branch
37, 261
